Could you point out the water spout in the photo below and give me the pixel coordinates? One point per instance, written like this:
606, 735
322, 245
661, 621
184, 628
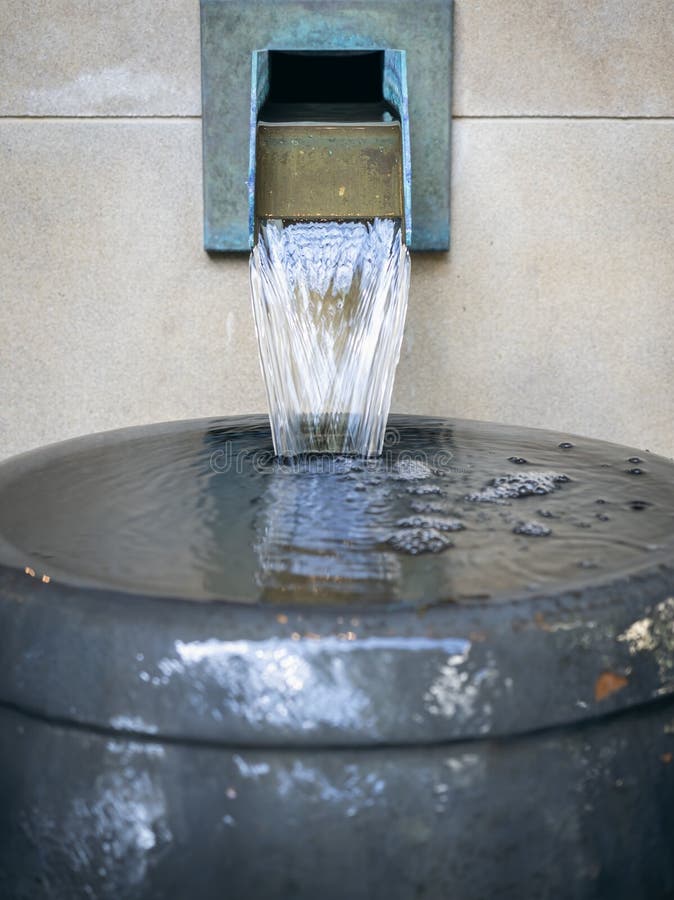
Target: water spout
329, 300
330, 266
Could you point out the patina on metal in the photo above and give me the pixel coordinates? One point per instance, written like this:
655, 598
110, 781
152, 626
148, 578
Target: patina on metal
329, 171
235, 39
339, 145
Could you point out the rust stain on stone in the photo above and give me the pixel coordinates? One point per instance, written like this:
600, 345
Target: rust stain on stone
608, 683
539, 619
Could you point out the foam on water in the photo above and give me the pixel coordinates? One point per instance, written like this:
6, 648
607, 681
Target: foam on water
419, 540
532, 529
437, 524
519, 484
329, 300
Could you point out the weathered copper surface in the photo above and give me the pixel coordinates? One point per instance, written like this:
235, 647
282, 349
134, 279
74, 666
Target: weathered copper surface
232, 31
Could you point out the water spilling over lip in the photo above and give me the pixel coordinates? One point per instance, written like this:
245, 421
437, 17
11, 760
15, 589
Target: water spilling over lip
204, 511
329, 301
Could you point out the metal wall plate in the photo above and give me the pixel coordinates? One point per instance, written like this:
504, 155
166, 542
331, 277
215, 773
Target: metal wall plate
302, 171
369, 197
231, 30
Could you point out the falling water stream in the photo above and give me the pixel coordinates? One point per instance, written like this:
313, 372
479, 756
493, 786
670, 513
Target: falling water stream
329, 300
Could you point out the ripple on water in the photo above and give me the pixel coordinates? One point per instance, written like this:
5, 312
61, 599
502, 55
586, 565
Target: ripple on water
203, 511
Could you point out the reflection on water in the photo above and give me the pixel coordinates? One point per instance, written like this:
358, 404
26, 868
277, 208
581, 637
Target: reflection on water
452, 511
316, 533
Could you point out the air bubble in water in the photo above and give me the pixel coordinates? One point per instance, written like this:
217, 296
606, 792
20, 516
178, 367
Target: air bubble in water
437, 524
419, 540
639, 505
516, 485
419, 507
423, 489
532, 529
410, 469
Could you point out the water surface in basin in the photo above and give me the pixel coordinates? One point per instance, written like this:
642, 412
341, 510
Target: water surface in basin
451, 512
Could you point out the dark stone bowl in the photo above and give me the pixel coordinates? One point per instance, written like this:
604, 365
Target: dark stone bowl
511, 744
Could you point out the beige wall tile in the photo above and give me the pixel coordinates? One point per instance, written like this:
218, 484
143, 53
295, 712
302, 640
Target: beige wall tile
111, 313
95, 57
548, 57
564, 57
553, 308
